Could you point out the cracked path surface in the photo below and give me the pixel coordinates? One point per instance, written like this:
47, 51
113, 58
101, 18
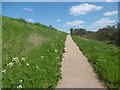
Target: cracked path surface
76, 70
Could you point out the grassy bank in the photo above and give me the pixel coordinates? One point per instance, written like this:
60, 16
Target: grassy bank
104, 59
0, 51
31, 55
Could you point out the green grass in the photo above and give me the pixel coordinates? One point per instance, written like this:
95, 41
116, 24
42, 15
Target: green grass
104, 59
41, 46
0, 51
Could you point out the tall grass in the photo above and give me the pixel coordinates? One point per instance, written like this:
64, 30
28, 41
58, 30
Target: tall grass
38, 50
104, 59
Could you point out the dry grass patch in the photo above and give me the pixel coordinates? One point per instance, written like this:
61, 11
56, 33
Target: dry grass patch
35, 42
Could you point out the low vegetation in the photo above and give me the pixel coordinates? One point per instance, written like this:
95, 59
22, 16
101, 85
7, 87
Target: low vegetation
104, 59
108, 34
32, 54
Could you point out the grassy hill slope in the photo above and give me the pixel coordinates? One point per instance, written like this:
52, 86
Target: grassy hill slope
31, 54
0, 51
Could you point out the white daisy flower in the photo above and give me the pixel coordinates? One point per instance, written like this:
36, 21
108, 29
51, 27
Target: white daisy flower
37, 67
42, 57
20, 86
56, 51
48, 50
16, 59
28, 64
20, 81
10, 64
3, 71
23, 59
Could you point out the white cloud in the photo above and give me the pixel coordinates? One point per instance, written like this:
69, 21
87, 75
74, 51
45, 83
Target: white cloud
83, 9
58, 20
112, 0
31, 20
74, 23
28, 9
110, 13
109, 0
101, 23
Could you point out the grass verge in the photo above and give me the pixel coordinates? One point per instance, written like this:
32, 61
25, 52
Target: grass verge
31, 54
103, 58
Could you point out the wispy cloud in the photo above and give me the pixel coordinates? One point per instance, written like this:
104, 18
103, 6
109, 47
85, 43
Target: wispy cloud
101, 23
74, 23
31, 20
109, 0
83, 9
110, 13
28, 9
112, 0
58, 20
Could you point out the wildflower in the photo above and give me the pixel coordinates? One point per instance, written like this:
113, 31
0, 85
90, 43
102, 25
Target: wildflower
16, 59
104, 60
10, 64
48, 50
42, 57
20, 86
56, 51
37, 67
98, 59
23, 59
28, 64
3, 71
20, 81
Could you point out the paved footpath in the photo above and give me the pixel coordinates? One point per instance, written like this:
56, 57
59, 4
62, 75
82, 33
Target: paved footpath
76, 70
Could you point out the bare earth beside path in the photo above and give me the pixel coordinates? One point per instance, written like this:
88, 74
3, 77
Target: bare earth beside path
76, 70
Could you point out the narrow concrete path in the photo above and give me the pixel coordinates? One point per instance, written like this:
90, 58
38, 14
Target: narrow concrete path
76, 71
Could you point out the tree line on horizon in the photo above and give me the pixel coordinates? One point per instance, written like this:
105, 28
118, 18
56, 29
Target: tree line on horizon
109, 34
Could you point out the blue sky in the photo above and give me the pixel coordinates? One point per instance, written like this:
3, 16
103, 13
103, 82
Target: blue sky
64, 15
